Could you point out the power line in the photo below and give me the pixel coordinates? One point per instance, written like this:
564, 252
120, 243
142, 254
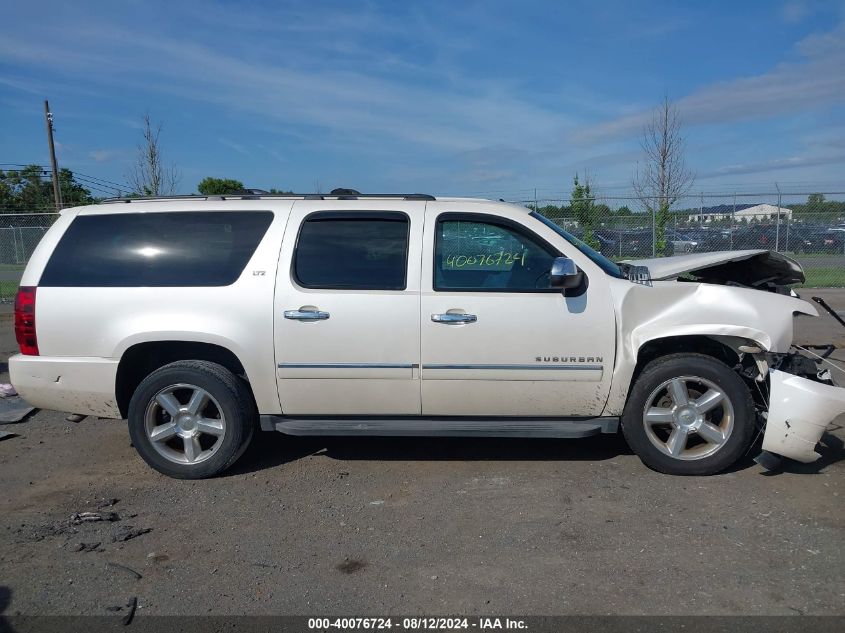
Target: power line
116, 185
98, 185
104, 181
87, 182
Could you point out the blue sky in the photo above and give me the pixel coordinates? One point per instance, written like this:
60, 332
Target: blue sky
479, 98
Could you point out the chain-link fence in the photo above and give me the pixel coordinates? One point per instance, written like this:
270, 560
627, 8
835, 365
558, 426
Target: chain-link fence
808, 228
19, 235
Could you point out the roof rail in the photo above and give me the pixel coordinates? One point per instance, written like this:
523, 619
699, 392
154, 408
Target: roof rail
252, 194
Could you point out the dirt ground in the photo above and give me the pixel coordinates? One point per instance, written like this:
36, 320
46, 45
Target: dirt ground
427, 526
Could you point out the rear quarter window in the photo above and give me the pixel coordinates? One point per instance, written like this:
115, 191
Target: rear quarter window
195, 248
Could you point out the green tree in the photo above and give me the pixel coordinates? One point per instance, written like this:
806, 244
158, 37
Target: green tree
30, 190
219, 186
6, 197
623, 211
583, 209
815, 199
73, 193
550, 211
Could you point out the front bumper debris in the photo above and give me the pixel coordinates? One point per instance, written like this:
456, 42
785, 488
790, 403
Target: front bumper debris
800, 410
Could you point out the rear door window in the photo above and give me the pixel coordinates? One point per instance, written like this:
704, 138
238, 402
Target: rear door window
156, 249
352, 251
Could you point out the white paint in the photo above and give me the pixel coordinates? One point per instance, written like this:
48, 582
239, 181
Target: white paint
415, 365
799, 412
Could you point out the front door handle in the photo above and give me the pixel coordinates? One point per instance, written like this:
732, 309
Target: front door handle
306, 315
454, 317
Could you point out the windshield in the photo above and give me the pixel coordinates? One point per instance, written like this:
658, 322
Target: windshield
603, 262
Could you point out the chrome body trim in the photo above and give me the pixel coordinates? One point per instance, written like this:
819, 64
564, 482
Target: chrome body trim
454, 317
520, 367
348, 366
306, 315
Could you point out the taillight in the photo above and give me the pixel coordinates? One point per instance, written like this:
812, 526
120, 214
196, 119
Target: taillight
25, 320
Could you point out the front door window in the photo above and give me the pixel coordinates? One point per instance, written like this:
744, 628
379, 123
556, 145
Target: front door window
487, 256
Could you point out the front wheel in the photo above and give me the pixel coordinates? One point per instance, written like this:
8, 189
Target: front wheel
689, 414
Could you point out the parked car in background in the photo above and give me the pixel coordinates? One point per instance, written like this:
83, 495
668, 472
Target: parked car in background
803, 238
766, 236
714, 239
699, 239
680, 242
825, 241
625, 243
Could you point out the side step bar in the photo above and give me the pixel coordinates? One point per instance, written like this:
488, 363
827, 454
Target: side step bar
441, 427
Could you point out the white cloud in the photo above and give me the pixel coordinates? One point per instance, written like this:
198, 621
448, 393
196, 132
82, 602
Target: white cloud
353, 105
239, 148
792, 162
816, 80
103, 155
339, 84
794, 12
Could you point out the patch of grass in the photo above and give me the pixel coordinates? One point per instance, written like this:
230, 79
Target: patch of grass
805, 256
820, 277
8, 290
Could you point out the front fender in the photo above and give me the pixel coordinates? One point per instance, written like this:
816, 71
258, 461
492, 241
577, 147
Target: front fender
681, 309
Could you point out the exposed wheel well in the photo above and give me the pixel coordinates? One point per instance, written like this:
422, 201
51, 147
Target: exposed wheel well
140, 360
695, 344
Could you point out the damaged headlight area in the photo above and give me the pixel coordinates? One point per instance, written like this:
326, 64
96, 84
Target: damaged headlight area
802, 402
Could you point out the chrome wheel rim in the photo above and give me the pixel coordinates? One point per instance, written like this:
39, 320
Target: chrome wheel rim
688, 418
185, 424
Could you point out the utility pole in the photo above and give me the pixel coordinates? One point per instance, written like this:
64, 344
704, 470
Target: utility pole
777, 225
57, 194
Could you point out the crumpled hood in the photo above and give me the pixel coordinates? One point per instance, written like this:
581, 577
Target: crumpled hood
748, 268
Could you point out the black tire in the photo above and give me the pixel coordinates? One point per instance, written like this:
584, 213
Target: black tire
666, 368
236, 409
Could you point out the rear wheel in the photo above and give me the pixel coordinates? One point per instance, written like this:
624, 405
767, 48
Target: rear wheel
191, 419
689, 414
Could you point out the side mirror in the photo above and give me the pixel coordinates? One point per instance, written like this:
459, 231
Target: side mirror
565, 274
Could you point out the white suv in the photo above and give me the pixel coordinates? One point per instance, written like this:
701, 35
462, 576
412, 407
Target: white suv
350, 314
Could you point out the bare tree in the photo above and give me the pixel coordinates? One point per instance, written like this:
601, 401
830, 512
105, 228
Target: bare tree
149, 176
664, 176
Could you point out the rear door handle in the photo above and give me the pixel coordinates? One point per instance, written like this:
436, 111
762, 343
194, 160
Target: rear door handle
306, 315
454, 317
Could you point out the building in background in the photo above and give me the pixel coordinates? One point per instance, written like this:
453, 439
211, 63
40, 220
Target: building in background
744, 212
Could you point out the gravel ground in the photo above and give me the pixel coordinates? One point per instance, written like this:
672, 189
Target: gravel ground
402, 525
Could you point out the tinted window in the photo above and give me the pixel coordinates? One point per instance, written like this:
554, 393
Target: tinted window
156, 249
352, 251
476, 255
606, 265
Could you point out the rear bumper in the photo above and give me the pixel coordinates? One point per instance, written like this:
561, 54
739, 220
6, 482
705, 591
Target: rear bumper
73, 384
799, 412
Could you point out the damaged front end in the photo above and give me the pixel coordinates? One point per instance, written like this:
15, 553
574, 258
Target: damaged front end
759, 269
718, 295
802, 403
